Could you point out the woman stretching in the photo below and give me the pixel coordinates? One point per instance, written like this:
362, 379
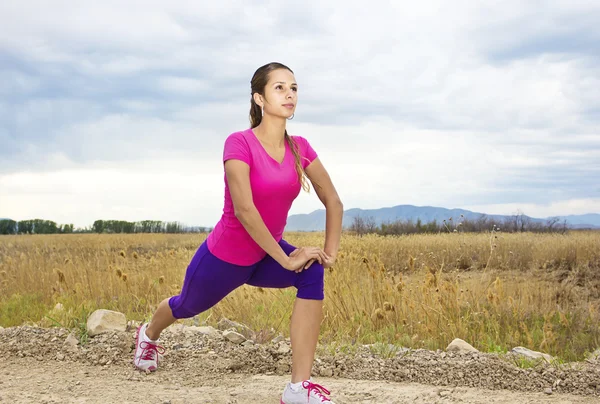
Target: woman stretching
265, 169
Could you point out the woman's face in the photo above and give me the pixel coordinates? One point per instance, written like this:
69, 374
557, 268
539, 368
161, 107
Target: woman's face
281, 93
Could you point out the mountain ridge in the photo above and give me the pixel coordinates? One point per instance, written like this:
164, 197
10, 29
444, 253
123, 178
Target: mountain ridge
315, 220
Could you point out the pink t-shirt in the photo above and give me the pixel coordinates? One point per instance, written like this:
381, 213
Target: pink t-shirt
274, 188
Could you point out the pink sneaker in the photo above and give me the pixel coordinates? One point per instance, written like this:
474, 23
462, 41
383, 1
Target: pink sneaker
309, 393
147, 352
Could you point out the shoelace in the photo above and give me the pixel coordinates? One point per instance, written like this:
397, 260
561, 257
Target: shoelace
149, 350
317, 388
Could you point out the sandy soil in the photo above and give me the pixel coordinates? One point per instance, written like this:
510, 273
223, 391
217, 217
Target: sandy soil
40, 365
28, 380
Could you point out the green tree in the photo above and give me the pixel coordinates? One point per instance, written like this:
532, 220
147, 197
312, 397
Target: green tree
8, 226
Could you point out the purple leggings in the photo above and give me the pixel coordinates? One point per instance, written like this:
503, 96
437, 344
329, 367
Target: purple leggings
209, 279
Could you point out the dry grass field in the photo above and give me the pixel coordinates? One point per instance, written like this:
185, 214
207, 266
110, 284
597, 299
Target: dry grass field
494, 290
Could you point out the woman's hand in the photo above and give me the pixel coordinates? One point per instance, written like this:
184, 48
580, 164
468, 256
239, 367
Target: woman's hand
326, 260
303, 257
329, 262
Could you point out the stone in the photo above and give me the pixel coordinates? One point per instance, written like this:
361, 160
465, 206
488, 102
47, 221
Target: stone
71, 341
59, 307
278, 339
458, 345
248, 343
528, 353
283, 348
132, 325
595, 356
282, 368
326, 372
234, 337
226, 324
204, 330
548, 391
102, 321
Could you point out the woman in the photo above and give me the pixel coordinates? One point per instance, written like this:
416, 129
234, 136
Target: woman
265, 169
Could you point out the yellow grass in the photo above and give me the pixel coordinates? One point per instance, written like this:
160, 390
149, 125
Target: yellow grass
494, 290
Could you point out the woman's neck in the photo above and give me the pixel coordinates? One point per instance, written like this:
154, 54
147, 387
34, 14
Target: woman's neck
271, 131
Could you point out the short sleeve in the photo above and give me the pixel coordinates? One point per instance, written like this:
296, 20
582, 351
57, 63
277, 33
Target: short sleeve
236, 147
307, 152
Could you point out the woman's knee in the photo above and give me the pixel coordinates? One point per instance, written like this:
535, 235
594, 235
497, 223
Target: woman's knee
183, 309
190, 305
311, 282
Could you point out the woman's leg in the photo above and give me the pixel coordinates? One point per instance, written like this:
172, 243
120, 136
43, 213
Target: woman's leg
162, 318
308, 307
304, 334
207, 281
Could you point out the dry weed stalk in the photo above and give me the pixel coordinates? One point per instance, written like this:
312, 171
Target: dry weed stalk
537, 290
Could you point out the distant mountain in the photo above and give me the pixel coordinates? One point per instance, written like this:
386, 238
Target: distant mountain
315, 221
589, 219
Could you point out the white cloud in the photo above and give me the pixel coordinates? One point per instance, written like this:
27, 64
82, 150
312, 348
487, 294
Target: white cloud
183, 85
173, 190
430, 103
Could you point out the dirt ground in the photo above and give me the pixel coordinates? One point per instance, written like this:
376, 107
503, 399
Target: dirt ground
50, 366
27, 380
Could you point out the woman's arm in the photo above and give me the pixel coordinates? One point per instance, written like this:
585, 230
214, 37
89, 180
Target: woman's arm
334, 208
238, 179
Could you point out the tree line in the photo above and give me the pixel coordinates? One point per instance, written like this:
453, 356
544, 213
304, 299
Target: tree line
40, 226
34, 226
512, 224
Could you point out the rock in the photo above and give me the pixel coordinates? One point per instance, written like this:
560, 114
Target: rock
226, 324
528, 353
248, 343
283, 348
1, 329
131, 325
278, 339
443, 393
102, 321
71, 341
458, 345
204, 330
282, 368
548, 391
595, 356
326, 372
59, 307
236, 365
234, 337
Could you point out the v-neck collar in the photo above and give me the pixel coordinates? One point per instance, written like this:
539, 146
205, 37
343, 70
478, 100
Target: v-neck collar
285, 145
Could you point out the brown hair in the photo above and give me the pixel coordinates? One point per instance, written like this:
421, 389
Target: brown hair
257, 85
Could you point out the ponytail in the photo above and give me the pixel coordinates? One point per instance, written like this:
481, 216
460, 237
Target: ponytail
255, 114
298, 163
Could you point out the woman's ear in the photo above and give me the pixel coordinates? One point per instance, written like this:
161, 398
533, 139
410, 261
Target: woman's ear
258, 99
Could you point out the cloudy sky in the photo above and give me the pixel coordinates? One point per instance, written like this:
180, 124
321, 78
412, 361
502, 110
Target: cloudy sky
119, 110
